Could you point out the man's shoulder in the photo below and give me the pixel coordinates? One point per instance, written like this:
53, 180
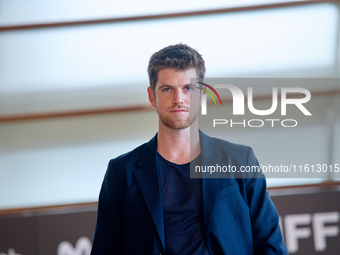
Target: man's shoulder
129, 156
228, 144
230, 148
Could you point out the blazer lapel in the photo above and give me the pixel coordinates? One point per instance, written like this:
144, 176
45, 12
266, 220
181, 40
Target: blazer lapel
148, 180
211, 155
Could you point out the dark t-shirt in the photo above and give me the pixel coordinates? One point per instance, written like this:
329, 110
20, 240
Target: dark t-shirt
182, 209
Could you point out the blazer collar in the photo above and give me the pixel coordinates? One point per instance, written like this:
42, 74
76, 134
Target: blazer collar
209, 149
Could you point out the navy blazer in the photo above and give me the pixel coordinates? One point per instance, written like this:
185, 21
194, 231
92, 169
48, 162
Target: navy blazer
238, 215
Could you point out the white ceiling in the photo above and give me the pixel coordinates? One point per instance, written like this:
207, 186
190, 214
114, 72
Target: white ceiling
109, 61
41, 11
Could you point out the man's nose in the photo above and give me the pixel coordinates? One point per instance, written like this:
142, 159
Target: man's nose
178, 97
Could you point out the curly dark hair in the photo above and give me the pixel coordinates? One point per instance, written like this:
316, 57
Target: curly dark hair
178, 56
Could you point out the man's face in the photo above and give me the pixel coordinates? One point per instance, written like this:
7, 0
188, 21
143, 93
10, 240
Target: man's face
172, 96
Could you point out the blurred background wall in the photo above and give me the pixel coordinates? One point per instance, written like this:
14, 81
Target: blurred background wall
73, 84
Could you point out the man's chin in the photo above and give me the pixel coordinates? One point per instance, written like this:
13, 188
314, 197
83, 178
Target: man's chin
178, 125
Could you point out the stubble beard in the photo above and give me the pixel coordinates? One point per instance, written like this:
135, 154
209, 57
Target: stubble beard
177, 123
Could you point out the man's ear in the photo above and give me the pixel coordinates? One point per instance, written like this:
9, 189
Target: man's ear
151, 96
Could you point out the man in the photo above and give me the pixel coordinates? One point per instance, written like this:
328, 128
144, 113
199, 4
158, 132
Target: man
148, 203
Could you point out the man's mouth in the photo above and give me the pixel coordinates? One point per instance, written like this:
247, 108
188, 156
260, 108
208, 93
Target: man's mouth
179, 110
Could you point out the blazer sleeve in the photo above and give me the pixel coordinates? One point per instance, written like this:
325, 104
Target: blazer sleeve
108, 237
267, 236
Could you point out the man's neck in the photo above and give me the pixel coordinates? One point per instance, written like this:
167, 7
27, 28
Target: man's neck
178, 146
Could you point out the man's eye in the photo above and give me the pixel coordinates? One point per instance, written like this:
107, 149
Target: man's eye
188, 88
166, 89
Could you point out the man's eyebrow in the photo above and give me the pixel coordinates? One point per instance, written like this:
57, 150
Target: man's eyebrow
164, 85
170, 86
